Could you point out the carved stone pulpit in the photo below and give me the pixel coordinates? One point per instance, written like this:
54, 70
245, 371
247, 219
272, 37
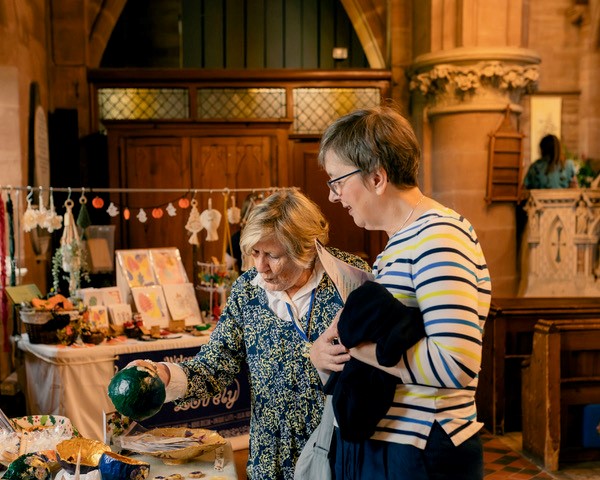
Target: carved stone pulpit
560, 245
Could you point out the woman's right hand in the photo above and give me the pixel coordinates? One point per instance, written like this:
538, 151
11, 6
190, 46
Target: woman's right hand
326, 353
160, 368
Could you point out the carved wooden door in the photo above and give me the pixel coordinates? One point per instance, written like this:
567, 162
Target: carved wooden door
229, 162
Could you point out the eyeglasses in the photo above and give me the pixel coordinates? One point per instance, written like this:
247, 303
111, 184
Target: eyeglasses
334, 184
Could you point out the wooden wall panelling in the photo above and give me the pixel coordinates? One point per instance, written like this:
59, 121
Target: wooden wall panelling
228, 162
255, 16
161, 163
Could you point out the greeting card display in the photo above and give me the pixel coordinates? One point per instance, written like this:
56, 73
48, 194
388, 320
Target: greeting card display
167, 266
182, 303
136, 267
150, 303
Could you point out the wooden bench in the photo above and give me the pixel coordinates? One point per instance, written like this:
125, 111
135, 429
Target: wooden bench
560, 378
507, 342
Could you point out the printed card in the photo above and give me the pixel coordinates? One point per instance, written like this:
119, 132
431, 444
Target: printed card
167, 266
98, 317
150, 303
182, 303
111, 295
120, 313
136, 267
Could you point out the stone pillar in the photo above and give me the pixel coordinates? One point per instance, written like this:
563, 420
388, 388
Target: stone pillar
465, 93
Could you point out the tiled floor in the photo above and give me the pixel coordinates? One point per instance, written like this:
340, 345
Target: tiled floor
504, 460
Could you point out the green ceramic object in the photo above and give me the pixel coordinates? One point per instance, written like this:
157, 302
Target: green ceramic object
28, 466
137, 392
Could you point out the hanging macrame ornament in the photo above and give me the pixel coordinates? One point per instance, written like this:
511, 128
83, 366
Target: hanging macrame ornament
141, 216
41, 209
171, 210
193, 224
234, 214
112, 210
210, 219
83, 218
52, 220
70, 247
31, 215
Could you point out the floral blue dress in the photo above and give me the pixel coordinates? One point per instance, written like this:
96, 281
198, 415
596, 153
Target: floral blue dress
286, 390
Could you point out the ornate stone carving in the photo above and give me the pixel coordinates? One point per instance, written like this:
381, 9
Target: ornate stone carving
443, 79
562, 256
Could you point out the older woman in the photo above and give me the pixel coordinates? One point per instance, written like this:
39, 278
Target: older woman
433, 261
275, 311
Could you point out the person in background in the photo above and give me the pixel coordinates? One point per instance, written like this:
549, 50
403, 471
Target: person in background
552, 170
275, 311
432, 261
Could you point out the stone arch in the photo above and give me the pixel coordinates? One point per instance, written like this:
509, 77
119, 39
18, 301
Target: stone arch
368, 18
101, 29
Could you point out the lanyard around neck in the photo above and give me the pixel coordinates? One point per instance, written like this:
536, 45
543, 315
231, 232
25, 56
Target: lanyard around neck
296, 322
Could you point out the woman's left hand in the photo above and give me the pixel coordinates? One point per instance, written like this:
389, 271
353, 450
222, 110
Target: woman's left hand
326, 353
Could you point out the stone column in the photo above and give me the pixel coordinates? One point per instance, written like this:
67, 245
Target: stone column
465, 93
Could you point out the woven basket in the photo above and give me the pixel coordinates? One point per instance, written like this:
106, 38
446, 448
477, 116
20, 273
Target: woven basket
51, 327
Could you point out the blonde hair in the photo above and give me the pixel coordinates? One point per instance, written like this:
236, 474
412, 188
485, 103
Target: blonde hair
293, 219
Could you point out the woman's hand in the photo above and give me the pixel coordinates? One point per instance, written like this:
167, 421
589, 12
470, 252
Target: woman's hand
160, 368
326, 353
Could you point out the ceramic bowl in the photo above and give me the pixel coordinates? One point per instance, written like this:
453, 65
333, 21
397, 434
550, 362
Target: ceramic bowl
113, 466
32, 423
91, 452
204, 441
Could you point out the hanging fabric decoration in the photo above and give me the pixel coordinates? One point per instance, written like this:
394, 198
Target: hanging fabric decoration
30, 217
193, 224
42, 212
234, 214
141, 216
171, 210
3, 257
70, 248
52, 220
210, 219
112, 210
183, 202
126, 214
83, 219
11, 241
226, 231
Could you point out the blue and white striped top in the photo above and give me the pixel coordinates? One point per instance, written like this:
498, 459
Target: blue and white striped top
436, 263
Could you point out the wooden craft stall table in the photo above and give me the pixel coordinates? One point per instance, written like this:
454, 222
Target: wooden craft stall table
73, 381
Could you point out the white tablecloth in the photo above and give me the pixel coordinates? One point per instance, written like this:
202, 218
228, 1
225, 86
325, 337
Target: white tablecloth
73, 381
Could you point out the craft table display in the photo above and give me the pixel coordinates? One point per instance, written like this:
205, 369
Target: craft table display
205, 464
72, 381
